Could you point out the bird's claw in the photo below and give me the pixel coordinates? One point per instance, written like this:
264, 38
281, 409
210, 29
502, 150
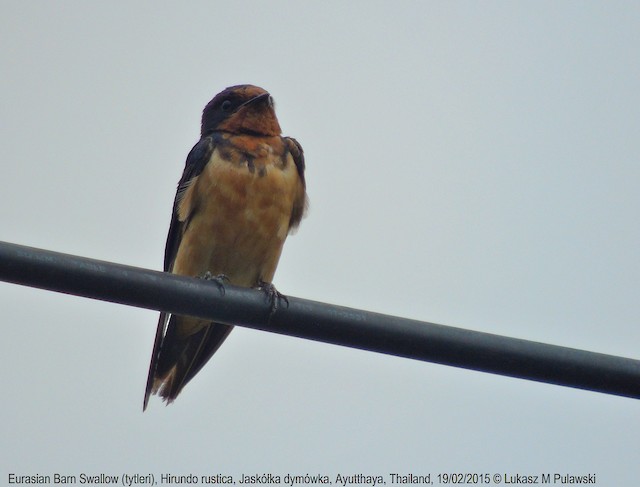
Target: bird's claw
273, 296
219, 280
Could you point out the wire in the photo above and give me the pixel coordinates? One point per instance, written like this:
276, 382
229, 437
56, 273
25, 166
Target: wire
313, 320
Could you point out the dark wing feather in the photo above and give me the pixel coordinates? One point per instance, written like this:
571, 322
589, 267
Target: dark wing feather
301, 203
188, 354
196, 161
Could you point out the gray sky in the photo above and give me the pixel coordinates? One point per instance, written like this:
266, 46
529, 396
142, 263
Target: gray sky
473, 164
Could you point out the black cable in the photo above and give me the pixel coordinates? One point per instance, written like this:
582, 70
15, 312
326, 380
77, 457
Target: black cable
319, 321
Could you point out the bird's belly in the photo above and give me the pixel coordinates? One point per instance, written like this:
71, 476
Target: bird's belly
239, 220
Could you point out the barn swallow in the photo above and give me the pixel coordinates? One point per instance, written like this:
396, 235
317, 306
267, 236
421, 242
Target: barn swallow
241, 193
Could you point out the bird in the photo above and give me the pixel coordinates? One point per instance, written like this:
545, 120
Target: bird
242, 192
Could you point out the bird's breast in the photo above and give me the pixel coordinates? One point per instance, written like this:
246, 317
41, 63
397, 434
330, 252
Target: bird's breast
236, 212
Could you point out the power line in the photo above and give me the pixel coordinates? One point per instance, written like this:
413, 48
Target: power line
319, 321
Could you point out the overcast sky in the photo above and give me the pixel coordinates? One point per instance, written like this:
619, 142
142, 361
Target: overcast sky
474, 164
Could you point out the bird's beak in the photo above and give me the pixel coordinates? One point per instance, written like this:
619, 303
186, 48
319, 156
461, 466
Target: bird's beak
258, 99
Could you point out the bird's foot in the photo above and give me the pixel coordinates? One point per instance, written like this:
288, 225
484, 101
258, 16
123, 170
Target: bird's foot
273, 296
218, 280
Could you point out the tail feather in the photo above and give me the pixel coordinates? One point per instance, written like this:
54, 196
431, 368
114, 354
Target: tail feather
177, 358
162, 325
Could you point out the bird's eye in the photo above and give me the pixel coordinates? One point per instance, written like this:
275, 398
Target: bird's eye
225, 105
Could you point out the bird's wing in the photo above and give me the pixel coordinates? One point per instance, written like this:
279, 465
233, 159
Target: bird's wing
196, 161
300, 203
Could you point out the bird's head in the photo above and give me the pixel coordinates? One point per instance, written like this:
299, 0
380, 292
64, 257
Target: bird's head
242, 109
